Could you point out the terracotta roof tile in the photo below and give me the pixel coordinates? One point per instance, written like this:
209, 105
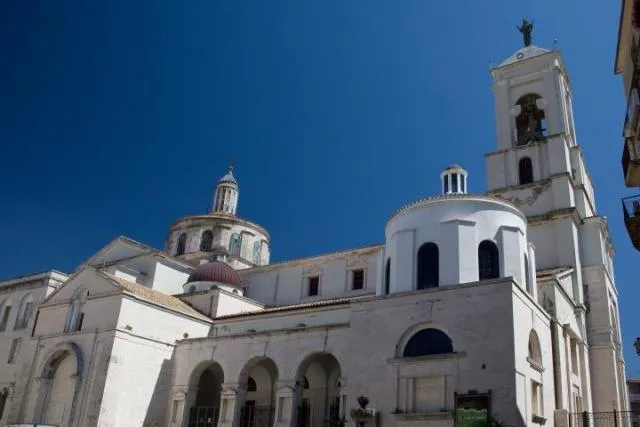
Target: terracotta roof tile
155, 297
550, 272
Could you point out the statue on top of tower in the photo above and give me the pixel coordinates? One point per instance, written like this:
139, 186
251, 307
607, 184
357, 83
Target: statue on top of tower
526, 28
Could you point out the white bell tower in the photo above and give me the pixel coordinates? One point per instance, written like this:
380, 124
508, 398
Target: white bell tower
539, 167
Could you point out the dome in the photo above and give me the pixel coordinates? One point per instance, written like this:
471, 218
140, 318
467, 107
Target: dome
228, 178
216, 271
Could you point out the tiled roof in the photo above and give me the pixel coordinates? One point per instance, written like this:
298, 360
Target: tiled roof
550, 272
155, 297
228, 177
293, 307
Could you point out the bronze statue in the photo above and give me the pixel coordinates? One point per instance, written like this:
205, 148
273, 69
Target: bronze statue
526, 28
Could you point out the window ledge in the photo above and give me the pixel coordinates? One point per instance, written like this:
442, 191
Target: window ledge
429, 358
535, 365
416, 416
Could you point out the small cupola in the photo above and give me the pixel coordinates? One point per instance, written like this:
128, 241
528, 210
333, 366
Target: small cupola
454, 180
225, 199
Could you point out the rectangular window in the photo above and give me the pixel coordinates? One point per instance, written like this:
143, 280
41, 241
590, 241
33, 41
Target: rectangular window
5, 318
314, 285
357, 279
79, 324
536, 399
454, 183
446, 184
15, 349
574, 355
174, 411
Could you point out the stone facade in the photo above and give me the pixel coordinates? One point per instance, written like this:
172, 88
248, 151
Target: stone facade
505, 299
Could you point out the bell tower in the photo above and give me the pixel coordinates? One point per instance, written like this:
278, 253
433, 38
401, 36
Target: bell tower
539, 167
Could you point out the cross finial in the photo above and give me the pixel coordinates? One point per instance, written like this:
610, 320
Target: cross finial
526, 29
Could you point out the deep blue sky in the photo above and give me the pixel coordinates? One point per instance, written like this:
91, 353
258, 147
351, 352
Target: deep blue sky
118, 117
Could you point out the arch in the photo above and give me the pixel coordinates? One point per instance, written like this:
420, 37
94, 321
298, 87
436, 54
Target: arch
206, 241
317, 393
55, 404
488, 260
206, 382
235, 244
387, 276
527, 277
426, 342
531, 122
25, 309
259, 377
182, 244
428, 266
525, 170
534, 350
257, 252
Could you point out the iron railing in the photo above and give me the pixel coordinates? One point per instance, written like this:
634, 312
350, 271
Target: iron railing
203, 416
256, 416
605, 419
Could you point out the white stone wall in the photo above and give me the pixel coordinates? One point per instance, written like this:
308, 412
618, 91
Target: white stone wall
478, 319
457, 225
167, 279
286, 283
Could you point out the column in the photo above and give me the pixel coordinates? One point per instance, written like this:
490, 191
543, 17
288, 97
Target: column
231, 400
285, 407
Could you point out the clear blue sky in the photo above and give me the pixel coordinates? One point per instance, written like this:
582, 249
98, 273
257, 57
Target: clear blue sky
118, 117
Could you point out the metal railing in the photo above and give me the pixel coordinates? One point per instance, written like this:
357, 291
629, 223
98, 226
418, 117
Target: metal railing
203, 416
605, 419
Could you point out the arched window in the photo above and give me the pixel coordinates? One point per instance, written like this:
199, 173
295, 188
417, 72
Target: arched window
525, 170
530, 124
75, 316
251, 385
206, 240
488, 260
387, 276
235, 244
24, 312
182, 244
428, 266
426, 342
535, 354
527, 279
257, 252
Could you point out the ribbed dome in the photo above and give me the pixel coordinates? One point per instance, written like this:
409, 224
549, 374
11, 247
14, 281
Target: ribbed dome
228, 177
216, 271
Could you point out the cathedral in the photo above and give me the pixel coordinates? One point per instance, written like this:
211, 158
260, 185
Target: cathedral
477, 309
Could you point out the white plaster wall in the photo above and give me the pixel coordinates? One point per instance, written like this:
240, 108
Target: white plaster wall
168, 280
293, 321
528, 316
157, 323
137, 383
437, 220
285, 283
232, 304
